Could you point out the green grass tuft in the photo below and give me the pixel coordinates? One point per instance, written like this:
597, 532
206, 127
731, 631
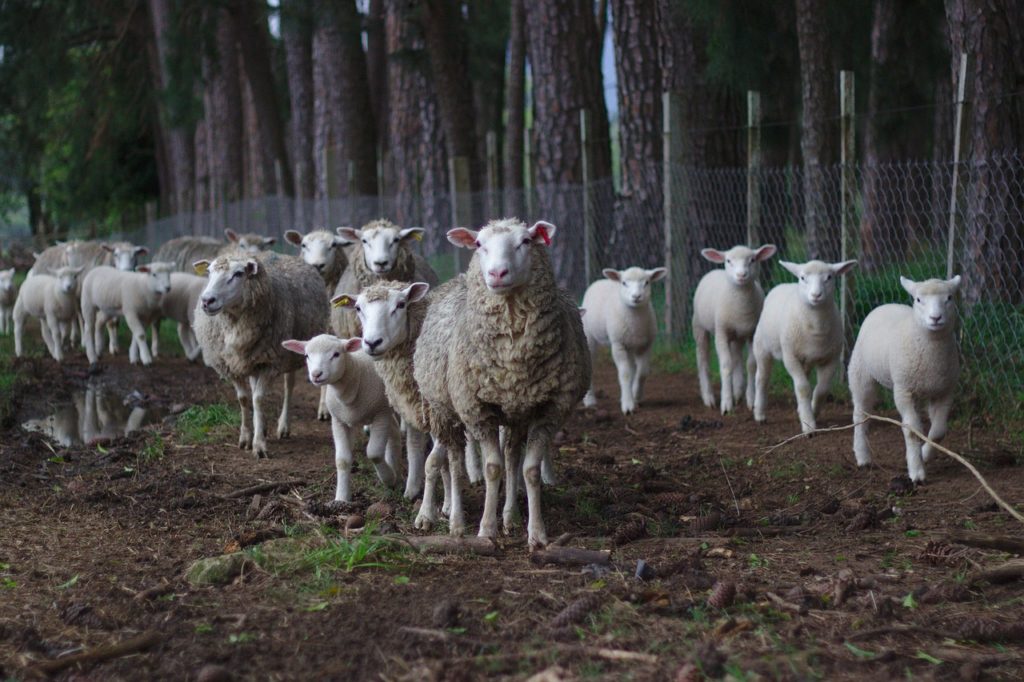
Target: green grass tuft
201, 423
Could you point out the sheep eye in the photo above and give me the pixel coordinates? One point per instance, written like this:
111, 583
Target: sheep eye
828, 277
358, 309
918, 299
949, 298
336, 354
365, 242
526, 241
477, 243
400, 305
728, 261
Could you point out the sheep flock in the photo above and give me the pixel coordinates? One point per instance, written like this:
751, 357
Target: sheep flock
493, 361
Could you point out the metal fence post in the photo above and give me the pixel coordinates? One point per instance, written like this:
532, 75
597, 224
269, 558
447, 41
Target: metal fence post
753, 168
848, 247
961, 91
676, 295
462, 203
589, 262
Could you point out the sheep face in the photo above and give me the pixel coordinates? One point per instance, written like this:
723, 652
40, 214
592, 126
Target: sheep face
7, 280
635, 284
126, 256
740, 261
253, 243
67, 278
504, 249
381, 241
817, 279
159, 278
383, 314
317, 248
226, 287
326, 356
934, 304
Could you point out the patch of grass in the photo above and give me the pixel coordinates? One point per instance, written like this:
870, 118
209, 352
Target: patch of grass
153, 450
365, 550
200, 423
12, 377
790, 469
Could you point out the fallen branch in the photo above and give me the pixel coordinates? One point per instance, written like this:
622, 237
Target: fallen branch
105, 652
446, 544
570, 556
956, 655
786, 605
263, 488
562, 540
1000, 542
896, 630
762, 531
1004, 573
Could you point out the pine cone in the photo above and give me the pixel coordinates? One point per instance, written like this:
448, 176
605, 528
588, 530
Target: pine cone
702, 524
944, 593
722, 594
629, 531
689, 673
710, 659
669, 501
577, 610
380, 510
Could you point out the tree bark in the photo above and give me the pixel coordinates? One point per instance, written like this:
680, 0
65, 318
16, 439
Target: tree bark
377, 69
223, 100
515, 100
819, 139
991, 249
487, 23
565, 65
297, 31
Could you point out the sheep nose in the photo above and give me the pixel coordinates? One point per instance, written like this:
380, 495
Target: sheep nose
321, 266
208, 301
372, 344
317, 374
497, 275
935, 318
381, 264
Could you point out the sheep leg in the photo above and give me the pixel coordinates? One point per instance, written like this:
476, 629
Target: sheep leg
284, 420
624, 365
512, 446
185, 338
342, 459
938, 415
538, 443
643, 367
703, 338
474, 472
548, 475
88, 335
19, 328
589, 400
321, 411
738, 378
245, 407
802, 388
751, 377
258, 386
492, 480
154, 342
51, 335
383, 435
44, 328
863, 392
427, 515
415, 441
139, 335
111, 325
904, 400
764, 373
456, 513
393, 449
446, 483
725, 368
133, 352
821, 389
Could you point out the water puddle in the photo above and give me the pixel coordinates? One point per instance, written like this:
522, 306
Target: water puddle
95, 414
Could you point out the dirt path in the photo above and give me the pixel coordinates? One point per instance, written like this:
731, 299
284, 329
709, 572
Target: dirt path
844, 553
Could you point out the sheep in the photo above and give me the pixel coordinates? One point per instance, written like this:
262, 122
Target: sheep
184, 251
504, 347
380, 250
251, 304
800, 325
619, 314
355, 397
136, 296
912, 351
179, 304
8, 294
727, 304
51, 299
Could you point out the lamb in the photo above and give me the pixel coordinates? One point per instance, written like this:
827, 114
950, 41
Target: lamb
355, 397
179, 304
727, 304
913, 351
8, 294
184, 251
504, 347
249, 306
51, 299
136, 296
800, 325
619, 314
380, 251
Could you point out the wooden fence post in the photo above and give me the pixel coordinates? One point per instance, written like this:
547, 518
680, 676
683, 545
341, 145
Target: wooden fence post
462, 204
848, 217
961, 92
494, 204
754, 162
589, 261
676, 294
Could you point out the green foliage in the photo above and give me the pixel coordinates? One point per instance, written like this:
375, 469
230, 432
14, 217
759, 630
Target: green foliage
200, 423
365, 550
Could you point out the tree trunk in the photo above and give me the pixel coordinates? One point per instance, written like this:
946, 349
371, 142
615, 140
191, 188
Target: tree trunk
201, 183
257, 175
487, 22
224, 110
819, 138
377, 69
990, 251
515, 100
638, 208
565, 65
297, 31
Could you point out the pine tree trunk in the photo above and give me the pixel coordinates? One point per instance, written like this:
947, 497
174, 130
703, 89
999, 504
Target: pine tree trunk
990, 251
377, 69
487, 23
565, 64
297, 31
224, 110
819, 138
515, 100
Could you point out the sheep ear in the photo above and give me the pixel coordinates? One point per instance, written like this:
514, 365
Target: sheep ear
341, 241
844, 267
142, 268
107, 247
909, 284
713, 255
350, 233
252, 267
657, 274
295, 346
343, 301
463, 237
231, 235
793, 268
201, 267
543, 231
955, 282
269, 241
583, 311
416, 291
293, 237
765, 252
411, 233
141, 251
612, 274
353, 344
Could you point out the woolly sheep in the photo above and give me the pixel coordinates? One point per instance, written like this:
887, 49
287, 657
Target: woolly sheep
727, 304
184, 251
800, 325
249, 306
379, 251
912, 351
179, 304
136, 296
619, 314
355, 397
8, 294
51, 299
505, 348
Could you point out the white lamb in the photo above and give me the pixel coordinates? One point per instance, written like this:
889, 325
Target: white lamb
179, 304
52, 300
619, 314
727, 304
913, 352
136, 296
800, 325
355, 397
8, 294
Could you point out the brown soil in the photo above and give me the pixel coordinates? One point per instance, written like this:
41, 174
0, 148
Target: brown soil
858, 591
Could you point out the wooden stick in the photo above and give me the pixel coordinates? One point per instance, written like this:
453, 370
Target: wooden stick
262, 488
447, 544
570, 556
1004, 573
1000, 542
105, 652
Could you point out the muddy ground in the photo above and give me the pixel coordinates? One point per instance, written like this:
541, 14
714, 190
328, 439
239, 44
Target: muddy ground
825, 571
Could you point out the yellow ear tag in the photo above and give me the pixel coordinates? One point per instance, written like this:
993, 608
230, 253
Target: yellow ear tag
341, 302
418, 236
201, 269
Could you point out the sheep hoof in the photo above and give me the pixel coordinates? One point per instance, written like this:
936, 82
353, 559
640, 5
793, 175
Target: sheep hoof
323, 415
423, 521
511, 521
456, 528
487, 531
283, 432
709, 402
538, 540
589, 400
